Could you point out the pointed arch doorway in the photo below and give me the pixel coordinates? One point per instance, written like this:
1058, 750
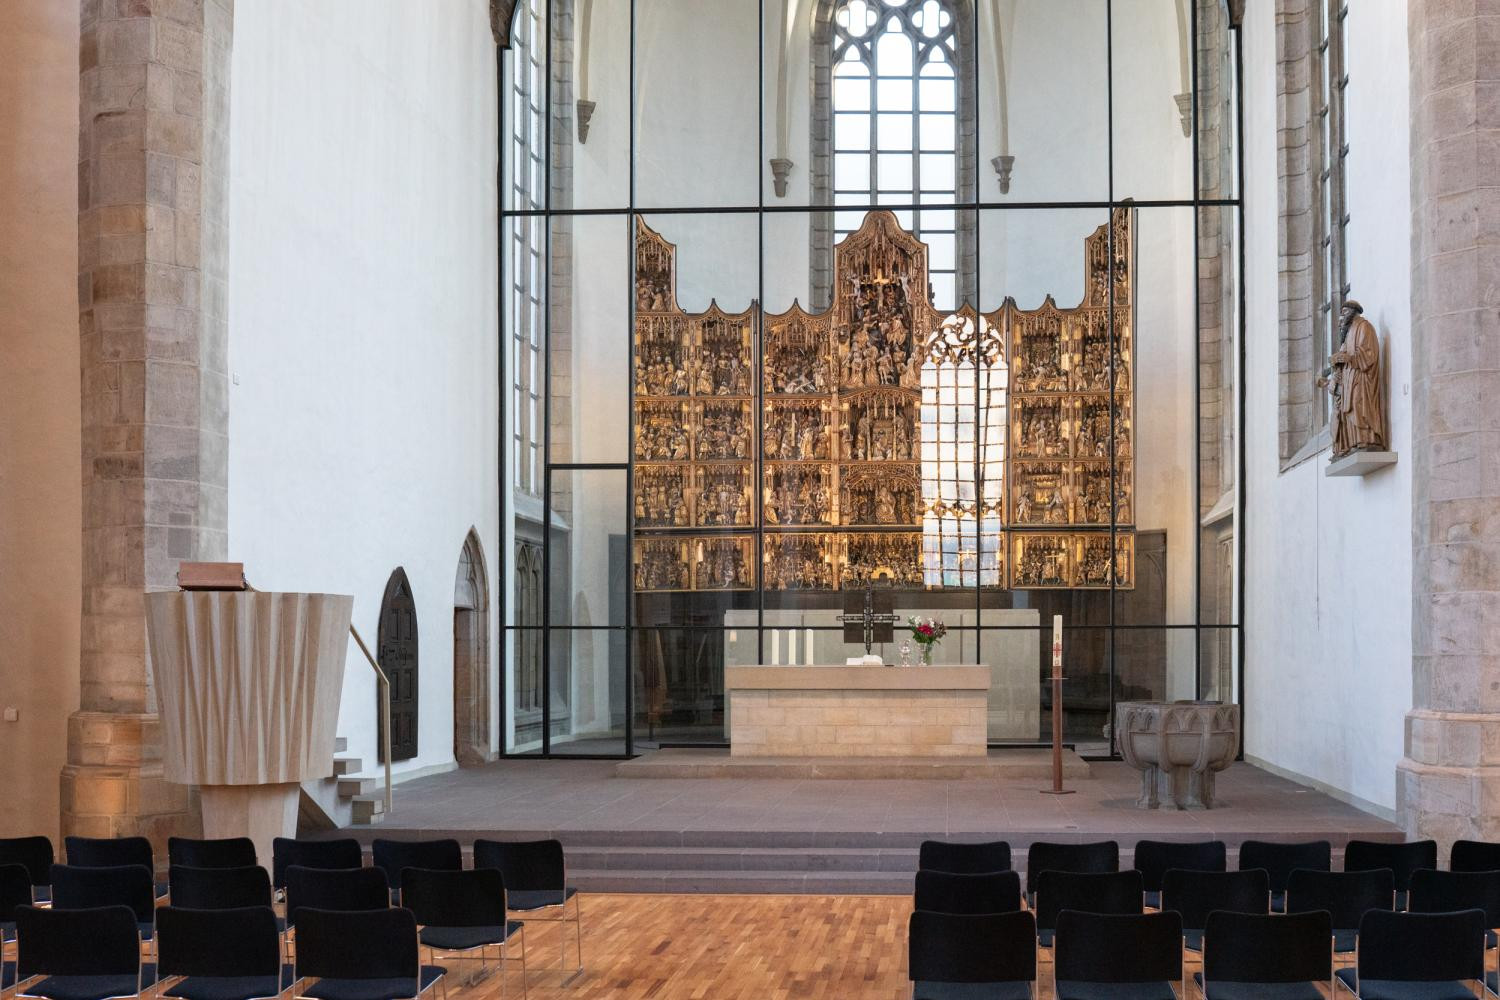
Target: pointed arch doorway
398, 658
471, 656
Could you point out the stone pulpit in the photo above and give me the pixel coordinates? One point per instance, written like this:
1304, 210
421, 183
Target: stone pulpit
248, 687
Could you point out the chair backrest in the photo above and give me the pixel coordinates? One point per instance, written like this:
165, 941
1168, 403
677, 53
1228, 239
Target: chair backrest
335, 889
1446, 892
1196, 894
527, 865
1279, 860
99, 941
947, 892
236, 942
1118, 948
1421, 947
15, 891
1261, 948
227, 852
109, 852
446, 898
1154, 858
286, 852
75, 888
1103, 856
219, 888
1472, 856
1401, 859
368, 944
32, 853
971, 948
1116, 893
394, 856
1347, 896
963, 859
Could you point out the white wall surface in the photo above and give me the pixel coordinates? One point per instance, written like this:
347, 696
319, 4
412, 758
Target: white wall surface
362, 302
1328, 571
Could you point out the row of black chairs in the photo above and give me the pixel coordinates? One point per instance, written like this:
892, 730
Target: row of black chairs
94, 954
1407, 956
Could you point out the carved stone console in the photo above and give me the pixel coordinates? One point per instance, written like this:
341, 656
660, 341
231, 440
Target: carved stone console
1178, 747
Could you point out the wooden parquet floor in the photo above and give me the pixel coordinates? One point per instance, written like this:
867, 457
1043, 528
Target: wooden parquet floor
702, 947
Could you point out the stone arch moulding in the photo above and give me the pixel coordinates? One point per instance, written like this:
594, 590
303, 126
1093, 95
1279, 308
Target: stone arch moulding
471, 655
502, 14
397, 655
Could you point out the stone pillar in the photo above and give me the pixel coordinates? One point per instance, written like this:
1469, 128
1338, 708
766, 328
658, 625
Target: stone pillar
1448, 785
152, 259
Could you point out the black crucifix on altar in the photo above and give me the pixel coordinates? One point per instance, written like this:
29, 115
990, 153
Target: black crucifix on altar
869, 618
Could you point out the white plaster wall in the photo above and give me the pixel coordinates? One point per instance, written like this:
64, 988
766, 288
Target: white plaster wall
1328, 571
363, 409
41, 511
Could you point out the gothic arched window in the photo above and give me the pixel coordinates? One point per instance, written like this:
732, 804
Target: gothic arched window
900, 117
963, 374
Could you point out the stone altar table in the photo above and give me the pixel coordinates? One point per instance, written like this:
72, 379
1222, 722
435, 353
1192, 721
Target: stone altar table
1178, 747
863, 711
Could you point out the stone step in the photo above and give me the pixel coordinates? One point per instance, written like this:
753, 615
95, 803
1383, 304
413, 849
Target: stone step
367, 809
340, 744
742, 859
831, 883
344, 764
353, 785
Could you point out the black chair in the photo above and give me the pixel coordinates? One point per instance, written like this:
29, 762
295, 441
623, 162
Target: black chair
219, 888
228, 852
1280, 860
1467, 856
536, 878
285, 852
1133, 957
15, 892
89, 954
1154, 858
990, 956
1447, 892
1258, 956
963, 859
1115, 893
232, 954
462, 911
1084, 858
112, 852
344, 889
395, 856
1401, 859
1347, 896
364, 955
76, 888
1194, 895
1418, 956
946, 892
35, 855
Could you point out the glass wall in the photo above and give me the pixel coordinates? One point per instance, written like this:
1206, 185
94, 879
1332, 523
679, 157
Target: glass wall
934, 296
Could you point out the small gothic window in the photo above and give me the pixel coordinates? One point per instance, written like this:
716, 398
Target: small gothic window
895, 94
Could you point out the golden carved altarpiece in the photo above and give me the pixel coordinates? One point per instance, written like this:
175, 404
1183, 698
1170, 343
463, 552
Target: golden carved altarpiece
849, 475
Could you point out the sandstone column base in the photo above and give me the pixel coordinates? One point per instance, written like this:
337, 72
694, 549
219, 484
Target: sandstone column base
112, 785
260, 812
1448, 784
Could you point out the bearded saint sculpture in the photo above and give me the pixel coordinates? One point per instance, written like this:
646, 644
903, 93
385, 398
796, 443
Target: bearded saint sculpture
1352, 379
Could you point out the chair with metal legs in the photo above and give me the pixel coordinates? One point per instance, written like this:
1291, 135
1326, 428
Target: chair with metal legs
462, 912
536, 879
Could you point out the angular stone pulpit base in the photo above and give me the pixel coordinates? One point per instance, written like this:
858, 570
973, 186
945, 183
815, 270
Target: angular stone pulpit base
260, 812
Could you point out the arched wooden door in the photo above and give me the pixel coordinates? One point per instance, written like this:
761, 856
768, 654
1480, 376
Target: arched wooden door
398, 658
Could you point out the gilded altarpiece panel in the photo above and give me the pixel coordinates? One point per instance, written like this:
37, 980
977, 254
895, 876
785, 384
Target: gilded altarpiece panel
895, 442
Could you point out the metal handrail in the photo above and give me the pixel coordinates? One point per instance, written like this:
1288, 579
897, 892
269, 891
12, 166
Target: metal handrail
385, 711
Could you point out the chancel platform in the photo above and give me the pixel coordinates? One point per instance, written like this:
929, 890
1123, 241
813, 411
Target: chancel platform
857, 711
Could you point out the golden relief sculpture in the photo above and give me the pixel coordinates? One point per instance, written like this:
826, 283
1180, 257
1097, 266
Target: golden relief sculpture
860, 470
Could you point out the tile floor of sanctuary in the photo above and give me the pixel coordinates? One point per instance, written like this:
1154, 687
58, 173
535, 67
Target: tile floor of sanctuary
730, 947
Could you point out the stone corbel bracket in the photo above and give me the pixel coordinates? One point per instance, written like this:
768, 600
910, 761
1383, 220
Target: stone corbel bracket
585, 114
781, 169
1003, 166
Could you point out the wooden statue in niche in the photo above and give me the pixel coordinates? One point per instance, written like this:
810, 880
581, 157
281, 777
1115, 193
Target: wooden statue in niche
844, 421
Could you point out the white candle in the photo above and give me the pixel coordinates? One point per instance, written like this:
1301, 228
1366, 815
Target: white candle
1056, 643
809, 648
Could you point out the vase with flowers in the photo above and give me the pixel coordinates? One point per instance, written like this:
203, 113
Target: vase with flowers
926, 633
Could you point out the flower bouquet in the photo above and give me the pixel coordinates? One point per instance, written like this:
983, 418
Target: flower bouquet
926, 632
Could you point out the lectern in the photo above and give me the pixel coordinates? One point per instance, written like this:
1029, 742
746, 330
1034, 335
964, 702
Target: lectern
248, 685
